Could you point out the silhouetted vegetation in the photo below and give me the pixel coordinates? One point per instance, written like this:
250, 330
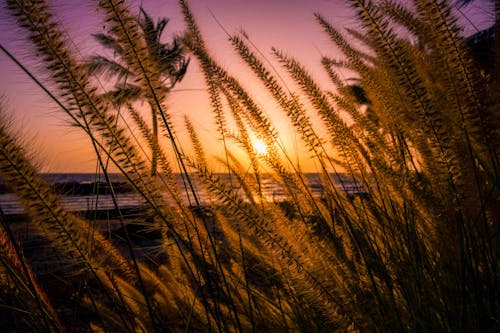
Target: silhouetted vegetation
418, 251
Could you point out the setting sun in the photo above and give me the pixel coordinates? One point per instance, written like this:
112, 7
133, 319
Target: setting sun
266, 166
259, 146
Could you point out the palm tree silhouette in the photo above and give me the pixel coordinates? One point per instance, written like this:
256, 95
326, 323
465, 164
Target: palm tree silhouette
168, 59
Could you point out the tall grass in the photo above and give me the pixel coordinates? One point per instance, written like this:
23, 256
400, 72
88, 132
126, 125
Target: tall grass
418, 252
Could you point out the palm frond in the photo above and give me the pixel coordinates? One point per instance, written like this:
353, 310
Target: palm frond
99, 65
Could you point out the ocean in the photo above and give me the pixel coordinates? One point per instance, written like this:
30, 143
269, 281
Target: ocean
84, 200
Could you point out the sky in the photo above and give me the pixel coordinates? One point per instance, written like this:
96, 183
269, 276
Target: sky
287, 25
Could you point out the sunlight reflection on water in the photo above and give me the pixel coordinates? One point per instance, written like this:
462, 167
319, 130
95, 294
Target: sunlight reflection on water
271, 191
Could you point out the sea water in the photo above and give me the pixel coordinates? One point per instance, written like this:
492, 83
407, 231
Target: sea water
271, 190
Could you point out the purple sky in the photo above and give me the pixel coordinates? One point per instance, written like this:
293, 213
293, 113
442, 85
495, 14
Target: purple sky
287, 25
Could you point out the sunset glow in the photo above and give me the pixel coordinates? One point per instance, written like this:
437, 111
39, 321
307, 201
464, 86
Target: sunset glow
263, 21
249, 167
259, 147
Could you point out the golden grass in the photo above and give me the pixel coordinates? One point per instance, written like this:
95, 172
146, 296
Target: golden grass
418, 252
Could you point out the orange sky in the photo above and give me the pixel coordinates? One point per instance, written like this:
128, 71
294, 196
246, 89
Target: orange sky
287, 25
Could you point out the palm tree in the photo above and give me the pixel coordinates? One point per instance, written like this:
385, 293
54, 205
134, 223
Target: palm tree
167, 58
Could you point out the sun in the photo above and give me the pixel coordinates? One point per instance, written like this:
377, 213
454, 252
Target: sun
259, 146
